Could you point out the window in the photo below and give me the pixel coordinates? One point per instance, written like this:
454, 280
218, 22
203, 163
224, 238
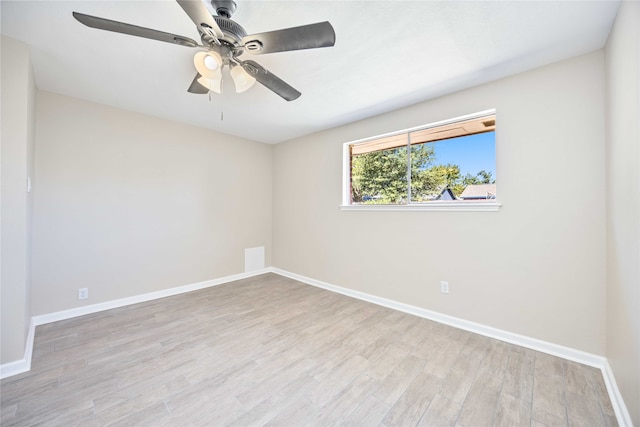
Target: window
447, 164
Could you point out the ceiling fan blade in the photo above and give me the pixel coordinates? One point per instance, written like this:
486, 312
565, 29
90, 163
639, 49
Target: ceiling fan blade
270, 80
296, 38
200, 16
133, 30
196, 87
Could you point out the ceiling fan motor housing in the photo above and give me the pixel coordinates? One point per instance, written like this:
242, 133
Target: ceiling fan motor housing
233, 32
224, 8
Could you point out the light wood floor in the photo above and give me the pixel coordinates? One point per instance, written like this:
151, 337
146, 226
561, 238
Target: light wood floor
272, 351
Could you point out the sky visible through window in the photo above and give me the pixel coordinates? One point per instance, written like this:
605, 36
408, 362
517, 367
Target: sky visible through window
471, 153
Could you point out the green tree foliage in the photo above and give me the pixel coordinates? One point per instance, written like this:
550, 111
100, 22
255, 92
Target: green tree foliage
439, 178
425, 180
380, 177
482, 177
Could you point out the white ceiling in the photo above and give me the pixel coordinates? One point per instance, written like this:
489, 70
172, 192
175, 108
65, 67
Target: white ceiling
388, 54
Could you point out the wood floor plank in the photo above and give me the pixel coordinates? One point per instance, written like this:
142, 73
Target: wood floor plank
341, 369
273, 404
597, 382
275, 382
443, 357
441, 412
461, 377
518, 381
272, 351
383, 361
479, 407
350, 398
299, 413
549, 405
414, 401
583, 411
576, 379
393, 385
512, 412
369, 413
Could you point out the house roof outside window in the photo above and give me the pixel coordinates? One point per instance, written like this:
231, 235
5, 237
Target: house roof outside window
446, 194
479, 192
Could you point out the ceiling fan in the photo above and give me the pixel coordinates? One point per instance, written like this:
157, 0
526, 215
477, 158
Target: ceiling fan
224, 41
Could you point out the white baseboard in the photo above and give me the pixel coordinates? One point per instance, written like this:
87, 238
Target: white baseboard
622, 414
14, 368
24, 364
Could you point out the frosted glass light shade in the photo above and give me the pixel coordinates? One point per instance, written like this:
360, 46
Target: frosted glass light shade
213, 85
208, 64
241, 79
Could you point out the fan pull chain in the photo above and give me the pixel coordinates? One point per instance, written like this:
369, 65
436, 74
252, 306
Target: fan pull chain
222, 101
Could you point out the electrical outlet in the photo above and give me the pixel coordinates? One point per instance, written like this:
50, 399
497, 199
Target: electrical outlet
444, 287
83, 293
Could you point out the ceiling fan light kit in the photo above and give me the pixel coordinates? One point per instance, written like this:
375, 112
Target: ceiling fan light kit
213, 85
224, 41
208, 64
241, 79
211, 63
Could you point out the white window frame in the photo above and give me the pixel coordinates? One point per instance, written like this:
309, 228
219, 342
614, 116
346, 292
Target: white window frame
488, 206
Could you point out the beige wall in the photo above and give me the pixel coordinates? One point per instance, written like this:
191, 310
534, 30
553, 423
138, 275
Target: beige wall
536, 267
128, 204
623, 204
17, 138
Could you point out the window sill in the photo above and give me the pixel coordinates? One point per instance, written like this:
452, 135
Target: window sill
432, 206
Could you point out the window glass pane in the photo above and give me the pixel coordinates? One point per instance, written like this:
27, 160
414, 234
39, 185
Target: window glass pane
425, 185
461, 168
380, 177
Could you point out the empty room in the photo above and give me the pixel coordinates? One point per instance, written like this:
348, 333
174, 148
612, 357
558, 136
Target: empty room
288, 213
